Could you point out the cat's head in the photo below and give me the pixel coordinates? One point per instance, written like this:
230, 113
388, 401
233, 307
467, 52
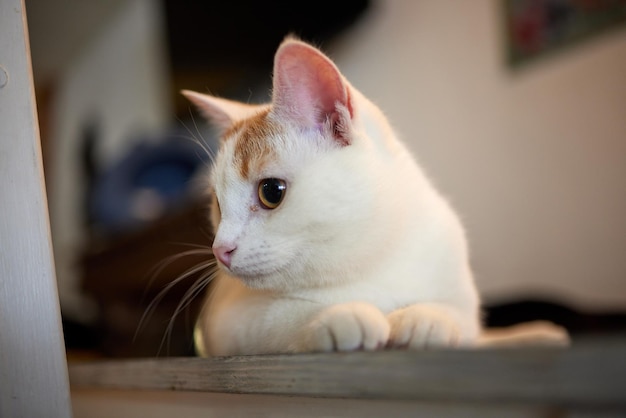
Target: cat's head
295, 182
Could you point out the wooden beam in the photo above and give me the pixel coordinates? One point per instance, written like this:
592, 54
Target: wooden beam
33, 371
591, 374
107, 403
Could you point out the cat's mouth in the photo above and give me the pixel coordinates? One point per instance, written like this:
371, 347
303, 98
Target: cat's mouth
259, 277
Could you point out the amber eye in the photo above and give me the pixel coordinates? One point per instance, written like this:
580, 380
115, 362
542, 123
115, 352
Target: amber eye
271, 192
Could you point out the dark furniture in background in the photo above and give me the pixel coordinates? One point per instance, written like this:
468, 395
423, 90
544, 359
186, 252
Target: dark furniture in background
125, 275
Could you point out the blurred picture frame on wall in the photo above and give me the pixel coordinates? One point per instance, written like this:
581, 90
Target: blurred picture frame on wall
535, 29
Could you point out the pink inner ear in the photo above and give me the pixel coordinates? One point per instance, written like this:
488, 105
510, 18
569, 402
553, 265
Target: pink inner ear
307, 85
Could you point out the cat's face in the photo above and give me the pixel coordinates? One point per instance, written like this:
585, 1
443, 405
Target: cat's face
292, 185
270, 209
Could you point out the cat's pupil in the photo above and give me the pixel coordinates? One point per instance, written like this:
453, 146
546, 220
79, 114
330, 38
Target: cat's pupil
271, 192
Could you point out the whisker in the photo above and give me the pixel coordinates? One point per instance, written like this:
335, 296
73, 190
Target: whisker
157, 299
189, 272
192, 245
204, 141
194, 290
204, 147
195, 140
191, 293
162, 265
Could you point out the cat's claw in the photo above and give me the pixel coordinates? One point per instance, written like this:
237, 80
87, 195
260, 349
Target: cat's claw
423, 326
347, 327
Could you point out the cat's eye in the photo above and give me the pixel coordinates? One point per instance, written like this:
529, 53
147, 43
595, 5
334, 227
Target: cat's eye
271, 192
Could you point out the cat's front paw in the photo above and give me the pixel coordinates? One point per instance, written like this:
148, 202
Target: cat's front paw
423, 326
346, 327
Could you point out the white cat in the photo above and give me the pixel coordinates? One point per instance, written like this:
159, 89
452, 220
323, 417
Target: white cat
329, 235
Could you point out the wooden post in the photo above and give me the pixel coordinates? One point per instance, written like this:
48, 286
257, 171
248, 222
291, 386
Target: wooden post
33, 369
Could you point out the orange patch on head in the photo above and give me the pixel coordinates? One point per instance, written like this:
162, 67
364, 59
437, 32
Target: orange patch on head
252, 148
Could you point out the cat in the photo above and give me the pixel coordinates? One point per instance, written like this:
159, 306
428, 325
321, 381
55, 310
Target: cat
328, 234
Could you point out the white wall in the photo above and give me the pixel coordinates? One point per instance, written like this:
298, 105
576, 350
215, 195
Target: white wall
119, 77
535, 160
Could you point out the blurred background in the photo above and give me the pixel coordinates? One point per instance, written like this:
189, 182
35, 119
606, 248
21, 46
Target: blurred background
516, 108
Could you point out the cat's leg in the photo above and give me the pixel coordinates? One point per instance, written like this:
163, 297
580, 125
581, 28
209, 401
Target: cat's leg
431, 325
344, 327
238, 320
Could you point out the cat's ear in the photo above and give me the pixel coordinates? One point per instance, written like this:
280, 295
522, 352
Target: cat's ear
309, 89
221, 112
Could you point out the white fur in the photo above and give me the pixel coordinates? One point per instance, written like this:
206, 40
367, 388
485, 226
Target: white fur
362, 253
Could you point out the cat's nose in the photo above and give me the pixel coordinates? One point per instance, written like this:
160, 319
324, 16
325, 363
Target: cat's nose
224, 253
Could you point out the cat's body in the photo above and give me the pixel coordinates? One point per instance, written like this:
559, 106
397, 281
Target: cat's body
329, 235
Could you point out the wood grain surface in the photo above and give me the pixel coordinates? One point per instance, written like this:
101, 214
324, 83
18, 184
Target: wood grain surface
590, 373
33, 373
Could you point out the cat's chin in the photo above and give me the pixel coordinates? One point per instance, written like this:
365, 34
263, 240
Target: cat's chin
261, 281
274, 280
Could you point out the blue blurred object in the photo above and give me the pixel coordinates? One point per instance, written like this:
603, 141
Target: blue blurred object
149, 181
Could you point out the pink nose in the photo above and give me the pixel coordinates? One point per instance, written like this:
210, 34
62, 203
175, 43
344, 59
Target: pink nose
224, 253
